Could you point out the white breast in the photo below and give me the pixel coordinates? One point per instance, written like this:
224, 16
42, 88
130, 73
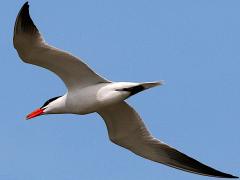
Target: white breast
92, 98
84, 100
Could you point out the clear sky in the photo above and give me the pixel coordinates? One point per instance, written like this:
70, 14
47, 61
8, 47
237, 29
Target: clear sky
193, 45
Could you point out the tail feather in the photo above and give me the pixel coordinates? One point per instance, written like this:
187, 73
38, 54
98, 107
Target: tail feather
147, 85
141, 87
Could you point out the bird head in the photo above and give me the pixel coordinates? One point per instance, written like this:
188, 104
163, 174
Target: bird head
51, 106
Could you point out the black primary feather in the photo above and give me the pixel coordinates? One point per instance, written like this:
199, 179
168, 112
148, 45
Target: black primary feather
24, 22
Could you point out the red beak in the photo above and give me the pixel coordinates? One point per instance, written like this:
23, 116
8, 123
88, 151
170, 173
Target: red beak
35, 113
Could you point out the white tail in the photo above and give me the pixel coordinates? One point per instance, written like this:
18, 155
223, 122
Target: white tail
148, 85
141, 87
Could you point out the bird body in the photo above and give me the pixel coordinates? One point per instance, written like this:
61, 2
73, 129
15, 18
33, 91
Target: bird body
95, 97
88, 92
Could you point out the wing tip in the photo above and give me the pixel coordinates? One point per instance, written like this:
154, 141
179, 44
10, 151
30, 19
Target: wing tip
24, 22
218, 174
25, 4
221, 174
230, 176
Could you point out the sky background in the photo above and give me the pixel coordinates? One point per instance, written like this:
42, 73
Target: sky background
193, 45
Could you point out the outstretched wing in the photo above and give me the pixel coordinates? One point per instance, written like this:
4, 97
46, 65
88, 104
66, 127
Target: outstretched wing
32, 49
126, 129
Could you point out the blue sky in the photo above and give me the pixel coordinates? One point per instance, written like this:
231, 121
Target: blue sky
192, 45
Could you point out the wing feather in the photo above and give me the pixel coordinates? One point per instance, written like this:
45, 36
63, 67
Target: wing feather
126, 129
32, 49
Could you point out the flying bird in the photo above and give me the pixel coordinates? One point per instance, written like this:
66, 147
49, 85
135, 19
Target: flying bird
88, 92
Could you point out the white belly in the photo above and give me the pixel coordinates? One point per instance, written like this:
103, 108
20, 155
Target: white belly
83, 101
92, 98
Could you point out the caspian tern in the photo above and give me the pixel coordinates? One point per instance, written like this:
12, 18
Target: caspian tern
88, 92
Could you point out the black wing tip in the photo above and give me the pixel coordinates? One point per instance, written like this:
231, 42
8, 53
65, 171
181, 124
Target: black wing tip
230, 176
194, 166
220, 174
25, 5
24, 10
215, 173
24, 22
